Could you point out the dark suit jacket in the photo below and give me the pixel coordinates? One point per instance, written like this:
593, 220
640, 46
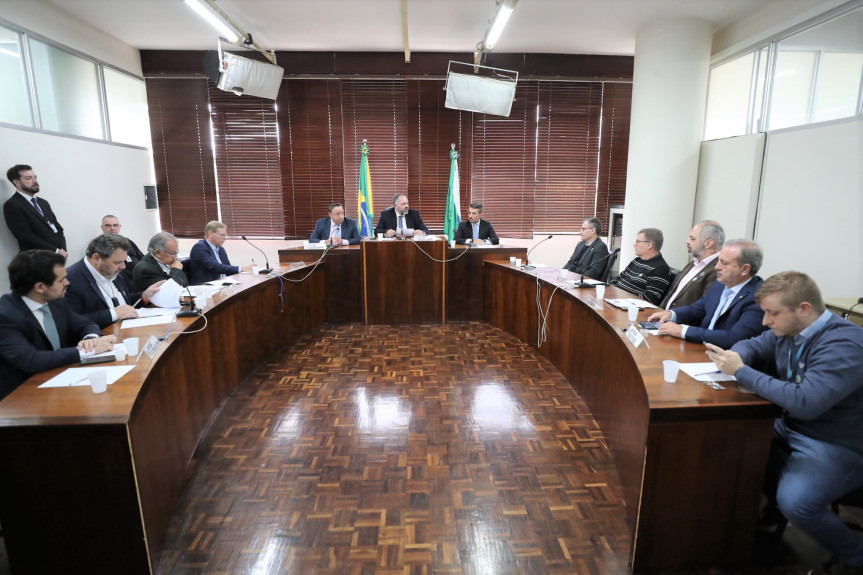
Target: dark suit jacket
24, 347
204, 267
31, 229
84, 297
134, 256
148, 271
694, 289
464, 231
389, 221
741, 320
592, 262
322, 231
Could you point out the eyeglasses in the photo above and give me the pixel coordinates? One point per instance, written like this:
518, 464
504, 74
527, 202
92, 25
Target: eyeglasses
221, 234
643, 241
169, 253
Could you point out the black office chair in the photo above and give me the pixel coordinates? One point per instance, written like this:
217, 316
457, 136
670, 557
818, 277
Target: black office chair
608, 265
851, 499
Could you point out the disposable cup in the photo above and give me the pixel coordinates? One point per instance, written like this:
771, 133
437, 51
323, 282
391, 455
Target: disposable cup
98, 380
452, 243
380, 236
518, 262
670, 369
512, 261
600, 292
632, 313
131, 344
563, 275
120, 352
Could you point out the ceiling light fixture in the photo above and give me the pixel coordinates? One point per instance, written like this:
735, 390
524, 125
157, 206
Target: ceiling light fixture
215, 18
504, 11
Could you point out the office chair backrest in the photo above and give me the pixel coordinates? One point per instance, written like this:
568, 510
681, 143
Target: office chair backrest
608, 265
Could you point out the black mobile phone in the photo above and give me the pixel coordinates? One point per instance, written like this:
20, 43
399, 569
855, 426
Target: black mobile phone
649, 324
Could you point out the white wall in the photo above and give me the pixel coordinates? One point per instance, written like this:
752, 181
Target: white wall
82, 179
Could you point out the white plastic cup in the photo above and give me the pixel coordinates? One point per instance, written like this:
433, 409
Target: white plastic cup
518, 262
670, 369
563, 275
600, 292
512, 261
452, 243
131, 344
120, 352
380, 236
255, 270
632, 313
98, 380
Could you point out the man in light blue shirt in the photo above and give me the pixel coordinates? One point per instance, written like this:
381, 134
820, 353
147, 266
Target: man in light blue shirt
208, 260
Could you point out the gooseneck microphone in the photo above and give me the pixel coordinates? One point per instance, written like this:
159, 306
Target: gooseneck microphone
192, 311
581, 283
267, 269
527, 265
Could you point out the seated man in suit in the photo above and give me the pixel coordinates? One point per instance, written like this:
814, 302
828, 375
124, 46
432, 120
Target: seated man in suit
336, 230
39, 331
97, 290
705, 240
160, 263
591, 253
647, 276
812, 363
111, 225
400, 217
729, 312
208, 260
30, 219
475, 229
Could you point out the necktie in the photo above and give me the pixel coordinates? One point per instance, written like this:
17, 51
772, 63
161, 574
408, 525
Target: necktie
475, 231
50, 327
337, 233
401, 222
725, 295
36, 205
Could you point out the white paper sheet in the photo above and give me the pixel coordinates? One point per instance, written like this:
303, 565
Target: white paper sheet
75, 376
168, 294
146, 321
624, 303
156, 311
706, 371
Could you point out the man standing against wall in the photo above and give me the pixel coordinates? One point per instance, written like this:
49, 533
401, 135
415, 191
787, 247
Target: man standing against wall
30, 219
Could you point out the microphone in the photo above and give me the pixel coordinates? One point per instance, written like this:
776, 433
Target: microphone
192, 311
527, 266
847, 314
581, 283
267, 269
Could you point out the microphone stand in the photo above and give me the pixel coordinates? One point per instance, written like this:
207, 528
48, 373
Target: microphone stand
192, 311
527, 266
582, 284
267, 269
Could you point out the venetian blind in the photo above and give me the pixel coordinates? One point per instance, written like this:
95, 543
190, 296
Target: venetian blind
613, 157
246, 143
182, 155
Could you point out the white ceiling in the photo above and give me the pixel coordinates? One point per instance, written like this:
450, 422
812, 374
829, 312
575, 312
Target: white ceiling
553, 26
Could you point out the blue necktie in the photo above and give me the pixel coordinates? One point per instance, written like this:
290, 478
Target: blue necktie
725, 294
36, 205
401, 222
50, 327
475, 231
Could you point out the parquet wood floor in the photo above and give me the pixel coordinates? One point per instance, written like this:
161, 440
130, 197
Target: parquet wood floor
446, 449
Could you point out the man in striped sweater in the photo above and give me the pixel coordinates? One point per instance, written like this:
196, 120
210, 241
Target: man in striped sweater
647, 276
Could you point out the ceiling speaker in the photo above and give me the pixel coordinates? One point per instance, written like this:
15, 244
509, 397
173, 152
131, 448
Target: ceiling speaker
243, 76
484, 94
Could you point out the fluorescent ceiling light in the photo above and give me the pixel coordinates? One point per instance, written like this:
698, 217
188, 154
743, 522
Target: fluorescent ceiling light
504, 11
208, 13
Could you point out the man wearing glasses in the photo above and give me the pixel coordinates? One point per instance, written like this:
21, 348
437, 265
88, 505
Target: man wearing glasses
160, 263
591, 253
647, 276
208, 260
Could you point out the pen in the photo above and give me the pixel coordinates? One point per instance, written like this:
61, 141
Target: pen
709, 372
137, 302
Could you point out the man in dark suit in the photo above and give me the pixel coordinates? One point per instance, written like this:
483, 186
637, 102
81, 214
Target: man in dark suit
591, 253
39, 331
111, 225
729, 312
160, 263
97, 289
399, 216
208, 260
31, 220
705, 240
336, 230
475, 229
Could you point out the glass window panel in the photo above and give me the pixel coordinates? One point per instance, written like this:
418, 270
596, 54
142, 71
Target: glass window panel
757, 124
838, 86
67, 89
127, 109
14, 106
728, 98
792, 88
